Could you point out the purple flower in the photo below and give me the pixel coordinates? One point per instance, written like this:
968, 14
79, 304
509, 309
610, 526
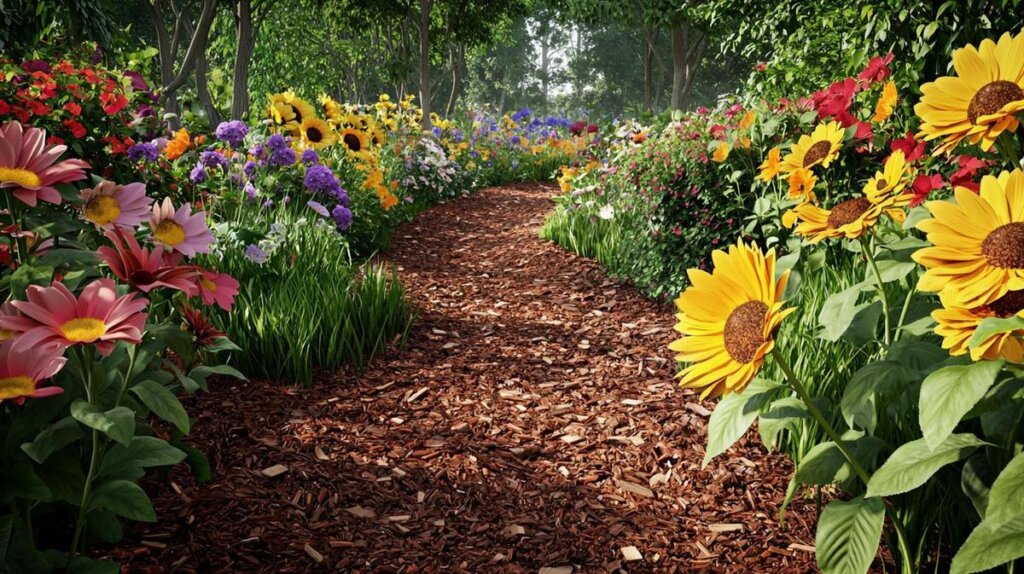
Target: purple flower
256, 255
268, 203
276, 142
198, 174
212, 159
249, 168
283, 157
319, 208
36, 66
139, 151
233, 132
309, 157
342, 217
250, 191
257, 150
342, 197
320, 179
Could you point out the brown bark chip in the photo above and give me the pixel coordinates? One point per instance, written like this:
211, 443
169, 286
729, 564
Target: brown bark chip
530, 424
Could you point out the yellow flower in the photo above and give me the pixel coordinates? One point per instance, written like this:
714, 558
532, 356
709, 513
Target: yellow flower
721, 152
748, 120
957, 326
801, 185
332, 110
850, 218
179, 145
819, 148
977, 247
978, 103
728, 320
886, 103
355, 140
770, 166
891, 181
317, 133
742, 142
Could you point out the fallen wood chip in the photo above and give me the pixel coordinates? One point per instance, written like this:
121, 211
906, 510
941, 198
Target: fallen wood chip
725, 527
276, 470
320, 454
415, 396
513, 530
316, 556
636, 488
631, 554
802, 547
571, 438
555, 570
361, 512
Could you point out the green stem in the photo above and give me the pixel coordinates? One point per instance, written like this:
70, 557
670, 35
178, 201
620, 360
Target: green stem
1008, 149
903, 313
86, 359
868, 252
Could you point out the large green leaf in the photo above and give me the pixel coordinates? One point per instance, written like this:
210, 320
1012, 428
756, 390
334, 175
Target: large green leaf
838, 312
1006, 498
734, 415
143, 452
988, 547
53, 438
912, 464
976, 480
783, 413
872, 381
994, 326
124, 498
163, 403
848, 535
949, 393
118, 423
825, 463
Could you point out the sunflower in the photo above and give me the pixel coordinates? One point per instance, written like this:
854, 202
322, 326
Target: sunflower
332, 110
886, 103
317, 133
728, 319
287, 111
957, 326
977, 247
850, 218
819, 148
770, 166
801, 185
355, 140
978, 103
721, 152
891, 181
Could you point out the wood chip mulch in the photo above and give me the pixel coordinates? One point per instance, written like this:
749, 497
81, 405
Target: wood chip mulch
530, 425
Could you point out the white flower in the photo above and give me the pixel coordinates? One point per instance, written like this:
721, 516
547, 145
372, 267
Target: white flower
606, 212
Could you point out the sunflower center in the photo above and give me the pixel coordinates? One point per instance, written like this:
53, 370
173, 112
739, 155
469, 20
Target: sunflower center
1004, 247
352, 142
314, 135
298, 114
1008, 305
102, 209
992, 97
744, 331
847, 212
882, 184
22, 177
83, 329
816, 153
14, 387
169, 232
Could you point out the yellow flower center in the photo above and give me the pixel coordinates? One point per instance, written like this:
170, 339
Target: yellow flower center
847, 212
817, 152
1008, 305
744, 331
102, 209
992, 97
352, 142
14, 387
169, 232
208, 285
22, 177
83, 329
1004, 247
6, 335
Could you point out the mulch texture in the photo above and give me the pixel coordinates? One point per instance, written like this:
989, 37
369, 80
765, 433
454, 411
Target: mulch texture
531, 424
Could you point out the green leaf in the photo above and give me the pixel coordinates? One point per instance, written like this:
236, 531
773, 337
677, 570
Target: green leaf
163, 403
203, 372
1004, 500
975, 479
848, 535
53, 438
197, 461
993, 326
143, 452
124, 498
734, 415
988, 547
83, 565
892, 270
118, 423
21, 481
825, 463
949, 393
871, 382
912, 464
783, 413
838, 312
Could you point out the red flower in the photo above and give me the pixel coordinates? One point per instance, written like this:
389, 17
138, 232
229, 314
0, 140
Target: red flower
76, 127
922, 186
964, 177
877, 70
717, 131
834, 99
201, 327
592, 129
113, 103
5, 108
73, 108
913, 149
38, 108
54, 140
761, 66
864, 131
90, 76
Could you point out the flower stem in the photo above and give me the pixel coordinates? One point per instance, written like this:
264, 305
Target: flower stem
903, 312
868, 252
1007, 148
86, 359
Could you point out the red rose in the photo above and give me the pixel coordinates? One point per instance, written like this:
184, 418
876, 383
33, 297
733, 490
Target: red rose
834, 99
73, 108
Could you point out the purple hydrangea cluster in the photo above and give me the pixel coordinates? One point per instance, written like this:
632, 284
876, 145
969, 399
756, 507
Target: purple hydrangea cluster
282, 157
342, 217
198, 174
232, 132
309, 157
249, 168
147, 151
212, 159
276, 142
320, 179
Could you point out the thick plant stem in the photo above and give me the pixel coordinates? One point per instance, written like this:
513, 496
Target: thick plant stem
85, 358
887, 335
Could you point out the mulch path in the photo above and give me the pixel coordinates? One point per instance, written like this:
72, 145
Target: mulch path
531, 424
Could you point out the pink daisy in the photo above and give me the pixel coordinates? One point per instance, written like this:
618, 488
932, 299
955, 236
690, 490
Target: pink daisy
109, 204
21, 371
219, 288
144, 269
180, 230
53, 316
27, 164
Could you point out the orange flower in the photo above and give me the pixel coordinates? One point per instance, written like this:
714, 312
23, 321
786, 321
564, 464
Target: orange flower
178, 146
721, 152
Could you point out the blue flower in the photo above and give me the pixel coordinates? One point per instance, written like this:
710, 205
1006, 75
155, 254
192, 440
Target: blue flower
232, 132
198, 174
342, 217
143, 150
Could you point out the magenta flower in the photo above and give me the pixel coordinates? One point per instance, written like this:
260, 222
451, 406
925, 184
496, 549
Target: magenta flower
219, 288
144, 269
180, 230
22, 371
54, 317
27, 165
109, 204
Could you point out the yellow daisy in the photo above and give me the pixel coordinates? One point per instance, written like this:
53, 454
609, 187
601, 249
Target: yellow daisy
886, 103
819, 148
891, 181
770, 166
801, 185
978, 103
728, 319
850, 218
721, 152
977, 247
957, 325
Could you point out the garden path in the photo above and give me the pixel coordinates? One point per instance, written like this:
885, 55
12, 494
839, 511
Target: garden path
531, 421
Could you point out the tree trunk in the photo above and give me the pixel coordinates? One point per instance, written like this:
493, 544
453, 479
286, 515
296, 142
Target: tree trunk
648, 78
245, 41
203, 92
425, 8
458, 65
166, 49
687, 51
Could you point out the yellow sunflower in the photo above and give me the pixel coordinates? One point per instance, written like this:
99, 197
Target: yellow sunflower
333, 110
769, 168
886, 103
287, 111
728, 319
850, 218
957, 325
978, 103
891, 181
801, 185
819, 148
721, 152
317, 133
355, 140
977, 247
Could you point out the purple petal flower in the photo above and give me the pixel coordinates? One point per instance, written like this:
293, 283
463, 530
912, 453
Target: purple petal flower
198, 174
310, 157
232, 132
256, 255
342, 217
319, 208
